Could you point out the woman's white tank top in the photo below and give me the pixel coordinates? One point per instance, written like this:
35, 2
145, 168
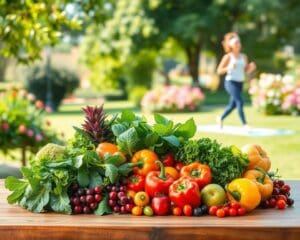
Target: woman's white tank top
237, 68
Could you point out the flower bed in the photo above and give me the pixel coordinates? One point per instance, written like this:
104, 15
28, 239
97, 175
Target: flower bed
22, 122
275, 94
173, 99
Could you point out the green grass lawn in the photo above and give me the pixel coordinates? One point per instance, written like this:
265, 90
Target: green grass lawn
283, 150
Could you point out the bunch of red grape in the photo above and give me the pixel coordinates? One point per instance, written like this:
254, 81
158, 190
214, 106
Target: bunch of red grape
280, 196
118, 200
84, 200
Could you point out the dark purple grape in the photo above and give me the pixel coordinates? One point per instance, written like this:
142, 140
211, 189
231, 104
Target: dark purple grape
290, 202
98, 189
90, 191
123, 189
78, 209
129, 200
116, 209
81, 192
276, 191
90, 198
121, 194
93, 206
123, 209
265, 204
124, 181
112, 203
76, 201
123, 200
86, 210
83, 199
115, 189
129, 207
98, 198
113, 195
109, 188
74, 187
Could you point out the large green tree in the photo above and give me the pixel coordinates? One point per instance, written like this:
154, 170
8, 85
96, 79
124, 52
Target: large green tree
27, 26
197, 25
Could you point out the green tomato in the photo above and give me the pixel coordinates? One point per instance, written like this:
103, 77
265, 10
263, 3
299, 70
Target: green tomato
148, 211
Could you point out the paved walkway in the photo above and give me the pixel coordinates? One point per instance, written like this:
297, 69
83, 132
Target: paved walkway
6, 170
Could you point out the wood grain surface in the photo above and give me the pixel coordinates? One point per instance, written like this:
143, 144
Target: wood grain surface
17, 223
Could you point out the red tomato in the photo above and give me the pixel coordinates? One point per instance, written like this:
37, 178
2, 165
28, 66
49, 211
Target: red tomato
232, 212
220, 213
187, 210
179, 165
213, 210
177, 211
226, 210
281, 197
241, 211
168, 160
235, 205
281, 204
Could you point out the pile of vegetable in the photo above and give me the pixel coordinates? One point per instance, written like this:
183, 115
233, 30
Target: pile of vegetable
122, 164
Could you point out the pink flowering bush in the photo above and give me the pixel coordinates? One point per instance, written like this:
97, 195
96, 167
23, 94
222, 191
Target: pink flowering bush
22, 123
172, 99
291, 103
270, 91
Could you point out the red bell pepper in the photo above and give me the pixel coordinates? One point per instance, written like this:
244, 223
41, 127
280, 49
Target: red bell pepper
157, 182
136, 183
168, 160
161, 205
185, 191
201, 173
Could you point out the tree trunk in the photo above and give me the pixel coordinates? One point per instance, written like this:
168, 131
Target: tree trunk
3, 65
193, 54
23, 156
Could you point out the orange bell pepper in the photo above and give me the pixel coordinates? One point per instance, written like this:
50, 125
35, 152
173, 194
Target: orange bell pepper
262, 180
257, 157
147, 159
198, 172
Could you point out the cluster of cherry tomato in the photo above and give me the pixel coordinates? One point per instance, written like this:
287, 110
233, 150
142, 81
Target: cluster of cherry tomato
232, 209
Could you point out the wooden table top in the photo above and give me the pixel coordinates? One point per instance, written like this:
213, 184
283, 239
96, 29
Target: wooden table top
17, 223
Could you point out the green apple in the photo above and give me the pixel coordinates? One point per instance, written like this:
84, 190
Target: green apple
213, 195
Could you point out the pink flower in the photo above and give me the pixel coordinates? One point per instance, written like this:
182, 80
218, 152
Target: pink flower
30, 133
38, 137
31, 97
5, 126
39, 104
22, 129
48, 109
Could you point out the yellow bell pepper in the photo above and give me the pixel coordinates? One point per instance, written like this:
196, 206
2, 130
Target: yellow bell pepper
245, 192
262, 180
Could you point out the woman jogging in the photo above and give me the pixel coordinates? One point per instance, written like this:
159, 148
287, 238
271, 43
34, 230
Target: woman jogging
235, 65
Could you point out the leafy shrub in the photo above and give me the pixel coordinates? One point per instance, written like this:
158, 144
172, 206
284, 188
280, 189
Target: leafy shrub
22, 123
173, 99
63, 82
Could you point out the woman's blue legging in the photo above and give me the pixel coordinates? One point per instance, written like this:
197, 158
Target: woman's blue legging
234, 89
